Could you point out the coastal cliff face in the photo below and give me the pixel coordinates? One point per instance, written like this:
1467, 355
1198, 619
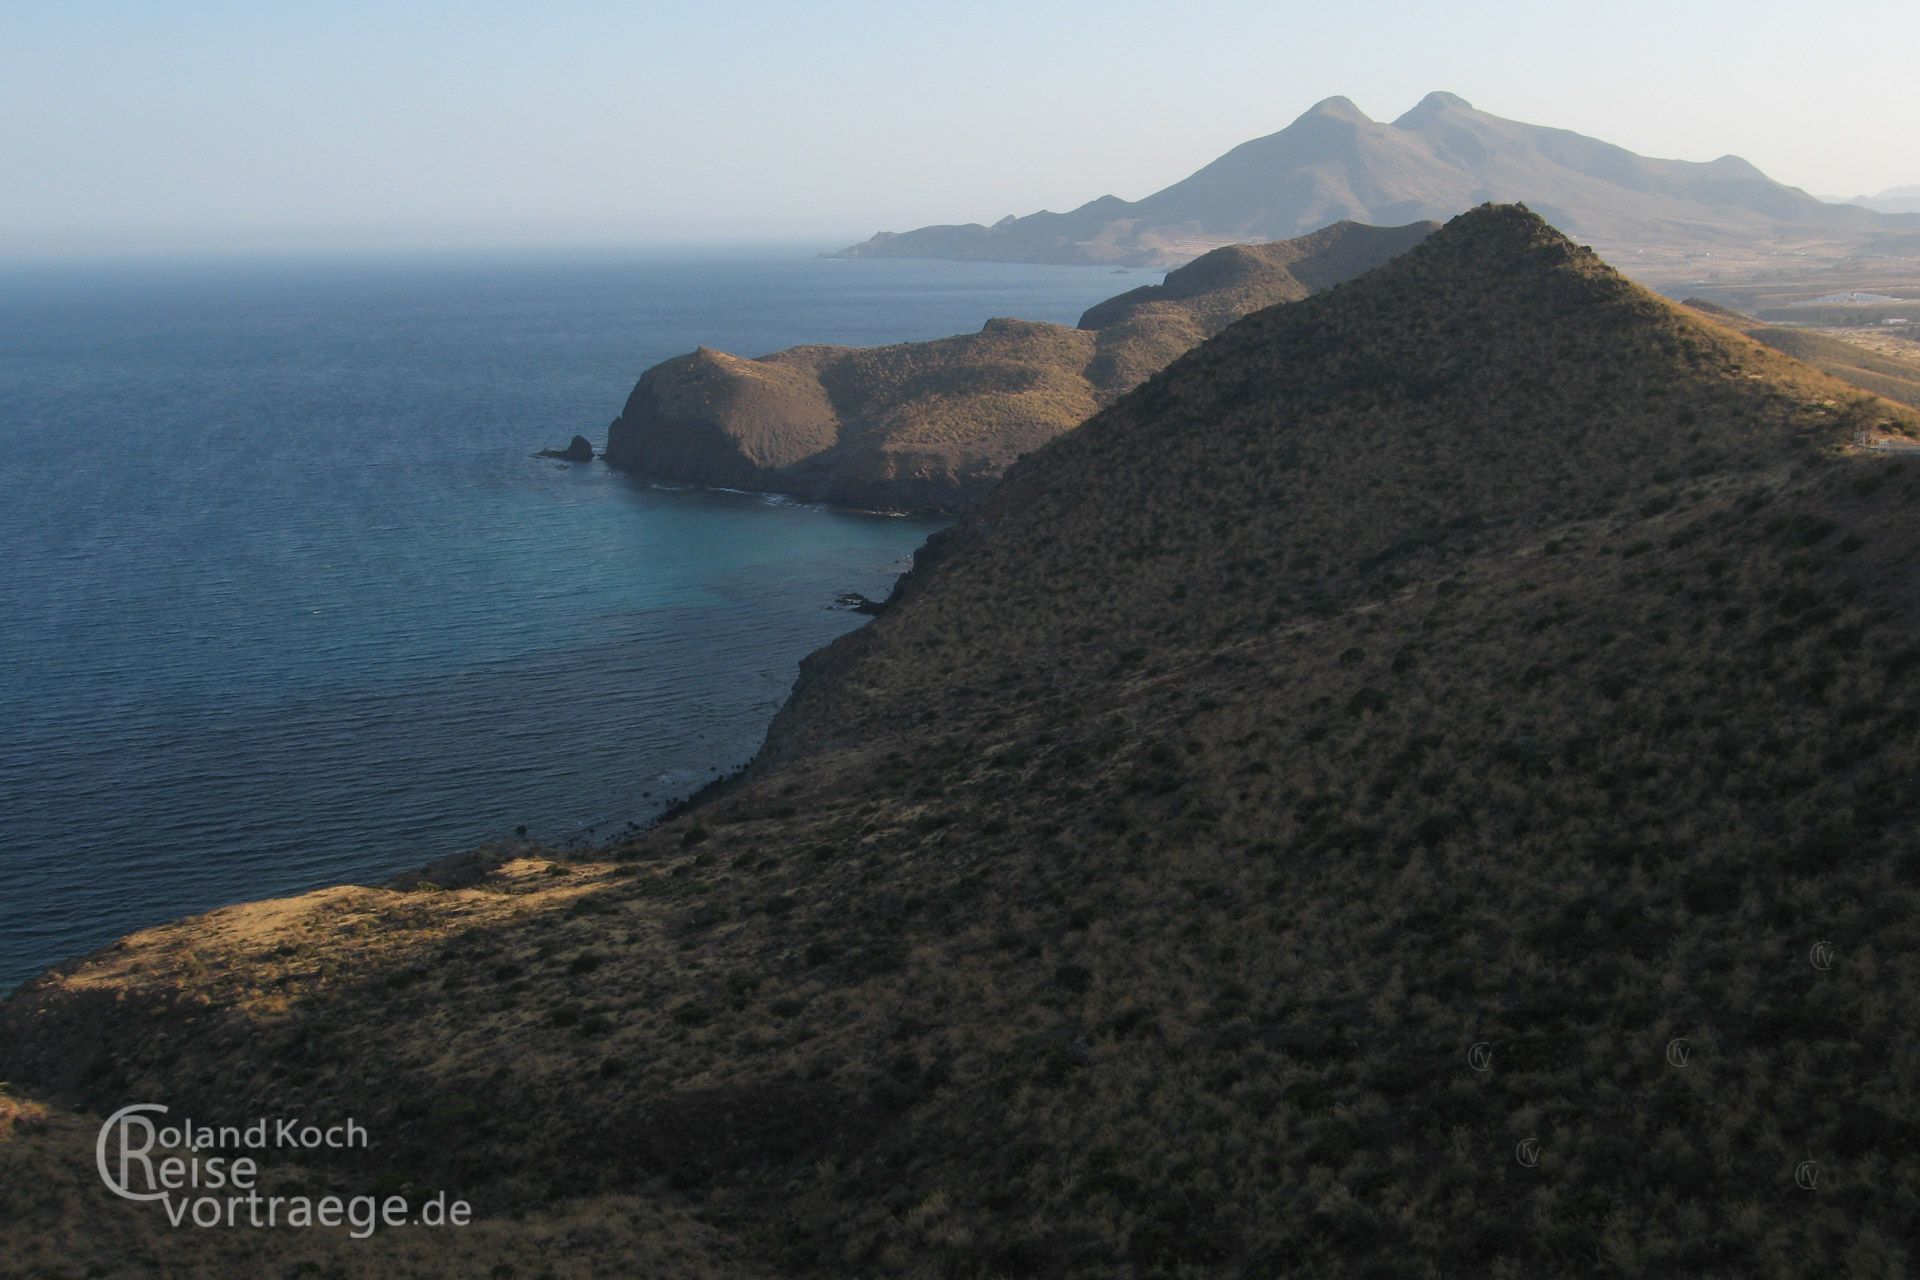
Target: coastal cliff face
1286, 829
931, 426
734, 419
919, 426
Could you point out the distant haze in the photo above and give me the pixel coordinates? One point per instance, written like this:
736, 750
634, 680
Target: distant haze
1894, 199
210, 127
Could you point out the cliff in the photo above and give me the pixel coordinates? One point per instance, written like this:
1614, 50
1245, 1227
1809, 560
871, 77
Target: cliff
932, 425
1424, 783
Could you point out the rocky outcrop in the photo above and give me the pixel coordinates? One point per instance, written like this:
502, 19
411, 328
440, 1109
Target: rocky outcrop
579, 449
732, 420
930, 426
921, 426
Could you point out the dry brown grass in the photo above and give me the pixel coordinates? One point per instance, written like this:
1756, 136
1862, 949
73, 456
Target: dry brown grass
1872, 360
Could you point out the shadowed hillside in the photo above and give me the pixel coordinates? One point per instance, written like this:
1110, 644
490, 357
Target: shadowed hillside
1441, 157
1425, 785
931, 425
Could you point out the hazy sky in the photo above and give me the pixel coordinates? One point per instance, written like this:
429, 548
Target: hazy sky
175, 124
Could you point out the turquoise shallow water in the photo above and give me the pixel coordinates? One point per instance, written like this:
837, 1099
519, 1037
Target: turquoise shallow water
283, 600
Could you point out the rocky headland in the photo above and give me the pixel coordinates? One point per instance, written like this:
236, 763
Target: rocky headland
931, 426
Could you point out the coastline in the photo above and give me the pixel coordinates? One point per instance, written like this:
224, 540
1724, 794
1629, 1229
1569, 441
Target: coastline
244, 649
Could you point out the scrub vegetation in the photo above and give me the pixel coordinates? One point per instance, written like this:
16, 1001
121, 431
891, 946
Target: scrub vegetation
1286, 830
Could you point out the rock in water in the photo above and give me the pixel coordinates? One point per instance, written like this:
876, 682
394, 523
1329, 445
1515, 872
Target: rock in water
579, 449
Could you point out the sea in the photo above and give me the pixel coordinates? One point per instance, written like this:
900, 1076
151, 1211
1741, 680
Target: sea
285, 601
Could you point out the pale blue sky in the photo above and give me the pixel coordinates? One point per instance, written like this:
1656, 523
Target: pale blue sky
184, 125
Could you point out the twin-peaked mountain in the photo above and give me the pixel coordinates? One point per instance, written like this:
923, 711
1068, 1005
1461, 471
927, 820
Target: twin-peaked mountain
1438, 159
931, 425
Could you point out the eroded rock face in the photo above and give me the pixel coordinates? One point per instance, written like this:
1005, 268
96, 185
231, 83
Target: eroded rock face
715, 419
930, 426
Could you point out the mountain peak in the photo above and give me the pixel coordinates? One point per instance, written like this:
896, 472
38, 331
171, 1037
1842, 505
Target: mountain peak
1336, 108
1736, 166
1514, 222
1511, 242
1432, 105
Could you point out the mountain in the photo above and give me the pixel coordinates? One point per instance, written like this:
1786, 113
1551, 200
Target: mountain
1438, 159
932, 425
1424, 785
1892, 200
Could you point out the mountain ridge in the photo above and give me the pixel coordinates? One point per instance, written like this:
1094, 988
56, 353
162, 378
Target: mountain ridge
1435, 160
1905, 199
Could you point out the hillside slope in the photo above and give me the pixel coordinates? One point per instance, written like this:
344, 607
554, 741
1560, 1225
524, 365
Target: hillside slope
1895, 379
1439, 158
931, 425
1287, 829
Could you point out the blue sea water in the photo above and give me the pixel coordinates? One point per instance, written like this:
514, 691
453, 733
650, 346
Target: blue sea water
284, 601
